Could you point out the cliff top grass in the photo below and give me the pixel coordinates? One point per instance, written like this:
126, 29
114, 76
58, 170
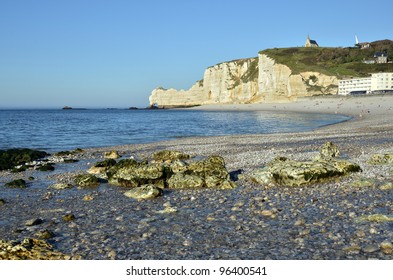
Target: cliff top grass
340, 62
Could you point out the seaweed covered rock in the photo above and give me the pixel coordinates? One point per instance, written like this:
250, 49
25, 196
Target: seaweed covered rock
208, 173
328, 151
130, 173
144, 192
185, 181
381, 159
169, 170
86, 180
14, 157
100, 168
286, 172
169, 156
112, 155
18, 183
29, 249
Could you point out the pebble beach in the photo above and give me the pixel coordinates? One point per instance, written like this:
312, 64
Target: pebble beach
349, 217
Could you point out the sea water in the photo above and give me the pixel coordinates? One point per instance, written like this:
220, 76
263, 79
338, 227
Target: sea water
56, 130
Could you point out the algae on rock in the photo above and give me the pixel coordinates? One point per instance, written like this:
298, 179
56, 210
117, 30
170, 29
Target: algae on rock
283, 171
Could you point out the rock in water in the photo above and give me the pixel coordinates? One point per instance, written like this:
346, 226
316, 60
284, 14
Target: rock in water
86, 180
144, 192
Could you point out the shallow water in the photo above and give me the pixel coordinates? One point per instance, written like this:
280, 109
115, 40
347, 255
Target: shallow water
55, 130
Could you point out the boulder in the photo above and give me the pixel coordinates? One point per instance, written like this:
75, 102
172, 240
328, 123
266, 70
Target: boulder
328, 151
100, 168
29, 249
286, 172
18, 183
130, 173
60, 186
208, 173
169, 156
144, 192
381, 159
14, 157
111, 155
185, 181
86, 180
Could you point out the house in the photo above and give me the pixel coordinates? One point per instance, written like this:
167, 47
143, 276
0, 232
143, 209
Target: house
310, 43
381, 57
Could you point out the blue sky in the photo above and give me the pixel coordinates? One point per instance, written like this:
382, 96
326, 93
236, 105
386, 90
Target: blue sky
113, 53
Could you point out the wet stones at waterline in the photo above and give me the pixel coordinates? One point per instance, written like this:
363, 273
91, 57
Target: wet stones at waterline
286, 172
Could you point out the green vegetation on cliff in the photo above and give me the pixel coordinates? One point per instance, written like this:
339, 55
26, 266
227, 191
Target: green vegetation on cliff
340, 62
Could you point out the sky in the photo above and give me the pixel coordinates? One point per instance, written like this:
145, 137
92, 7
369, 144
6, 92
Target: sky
112, 54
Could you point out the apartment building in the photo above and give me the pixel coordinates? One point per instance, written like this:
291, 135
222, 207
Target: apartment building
378, 82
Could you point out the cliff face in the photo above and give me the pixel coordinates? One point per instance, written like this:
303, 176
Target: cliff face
251, 80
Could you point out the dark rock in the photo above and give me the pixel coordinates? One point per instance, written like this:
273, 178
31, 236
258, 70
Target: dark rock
33, 222
47, 167
18, 183
14, 157
130, 173
86, 180
2, 201
45, 234
69, 153
68, 217
102, 166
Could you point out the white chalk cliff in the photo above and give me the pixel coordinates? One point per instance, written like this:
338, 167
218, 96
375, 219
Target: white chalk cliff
252, 80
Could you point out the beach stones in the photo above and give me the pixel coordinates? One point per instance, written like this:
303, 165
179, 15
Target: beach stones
286, 172
86, 180
144, 192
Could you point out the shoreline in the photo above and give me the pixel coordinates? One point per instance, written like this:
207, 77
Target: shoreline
252, 221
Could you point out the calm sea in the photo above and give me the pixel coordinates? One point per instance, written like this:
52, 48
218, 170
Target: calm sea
55, 130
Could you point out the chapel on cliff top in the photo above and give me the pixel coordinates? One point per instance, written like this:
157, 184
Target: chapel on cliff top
310, 43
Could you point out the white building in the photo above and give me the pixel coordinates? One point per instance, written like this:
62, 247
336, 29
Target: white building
376, 83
